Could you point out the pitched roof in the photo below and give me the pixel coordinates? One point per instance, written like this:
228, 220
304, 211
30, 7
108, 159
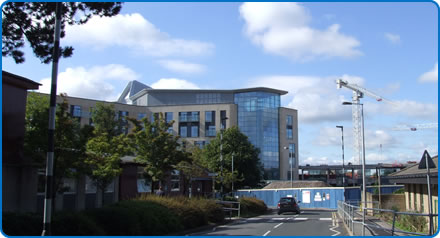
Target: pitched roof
413, 175
296, 184
131, 89
414, 170
18, 81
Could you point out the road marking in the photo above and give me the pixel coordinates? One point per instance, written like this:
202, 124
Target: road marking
265, 234
334, 226
255, 218
325, 219
301, 218
278, 225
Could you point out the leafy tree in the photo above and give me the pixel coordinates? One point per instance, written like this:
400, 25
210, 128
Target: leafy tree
155, 148
105, 148
191, 167
35, 22
69, 137
103, 118
248, 169
103, 159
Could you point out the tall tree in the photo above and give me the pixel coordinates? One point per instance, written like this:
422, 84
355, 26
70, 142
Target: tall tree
34, 21
248, 170
70, 138
155, 148
105, 148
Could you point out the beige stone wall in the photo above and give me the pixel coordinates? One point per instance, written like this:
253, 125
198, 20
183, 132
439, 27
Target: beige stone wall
284, 142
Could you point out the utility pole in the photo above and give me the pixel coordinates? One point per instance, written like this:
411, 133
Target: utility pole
49, 193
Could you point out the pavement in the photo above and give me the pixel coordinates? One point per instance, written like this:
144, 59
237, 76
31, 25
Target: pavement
377, 227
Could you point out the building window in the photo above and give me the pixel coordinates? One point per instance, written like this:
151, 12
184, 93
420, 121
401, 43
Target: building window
200, 144
168, 117
289, 126
210, 131
189, 121
75, 110
183, 131
292, 155
223, 119
210, 124
175, 180
141, 116
194, 131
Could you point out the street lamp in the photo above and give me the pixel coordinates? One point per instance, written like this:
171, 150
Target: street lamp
221, 154
363, 165
343, 169
291, 166
232, 170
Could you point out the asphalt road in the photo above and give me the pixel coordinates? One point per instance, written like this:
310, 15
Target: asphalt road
308, 223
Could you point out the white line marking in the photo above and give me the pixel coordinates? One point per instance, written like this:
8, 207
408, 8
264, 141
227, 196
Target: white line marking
255, 218
279, 218
265, 234
278, 225
301, 218
325, 219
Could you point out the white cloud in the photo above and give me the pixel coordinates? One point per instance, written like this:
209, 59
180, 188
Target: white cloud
173, 83
182, 66
406, 108
330, 136
282, 29
135, 32
315, 98
393, 38
94, 83
430, 76
373, 139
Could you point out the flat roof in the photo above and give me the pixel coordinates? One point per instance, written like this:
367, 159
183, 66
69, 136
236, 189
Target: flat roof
243, 90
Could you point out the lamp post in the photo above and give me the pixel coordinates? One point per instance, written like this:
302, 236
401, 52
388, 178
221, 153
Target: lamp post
363, 165
232, 170
343, 167
291, 166
221, 154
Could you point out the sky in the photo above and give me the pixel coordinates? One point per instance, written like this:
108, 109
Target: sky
390, 49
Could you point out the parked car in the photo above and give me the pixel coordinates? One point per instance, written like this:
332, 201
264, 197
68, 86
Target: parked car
288, 204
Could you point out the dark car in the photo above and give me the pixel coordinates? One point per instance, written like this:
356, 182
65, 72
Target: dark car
288, 204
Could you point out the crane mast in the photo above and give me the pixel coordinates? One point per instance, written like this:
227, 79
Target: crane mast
358, 93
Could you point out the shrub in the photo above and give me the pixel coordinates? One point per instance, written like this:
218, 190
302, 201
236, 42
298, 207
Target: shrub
252, 206
74, 224
189, 212
22, 224
153, 219
115, 220
213, 210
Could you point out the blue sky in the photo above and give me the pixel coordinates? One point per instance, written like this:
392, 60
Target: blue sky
388, 48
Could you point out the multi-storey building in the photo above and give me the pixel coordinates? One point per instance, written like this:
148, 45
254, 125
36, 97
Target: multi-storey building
200, 114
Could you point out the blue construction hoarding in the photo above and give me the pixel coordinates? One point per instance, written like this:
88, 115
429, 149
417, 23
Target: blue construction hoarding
310, 197
319, 197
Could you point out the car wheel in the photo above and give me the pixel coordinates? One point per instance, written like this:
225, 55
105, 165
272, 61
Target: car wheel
279, 213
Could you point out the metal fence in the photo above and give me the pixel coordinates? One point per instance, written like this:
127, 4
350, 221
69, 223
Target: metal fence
352, 215
229, 206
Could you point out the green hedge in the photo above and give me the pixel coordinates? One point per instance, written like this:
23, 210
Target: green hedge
250, 206
144, 216
190, 212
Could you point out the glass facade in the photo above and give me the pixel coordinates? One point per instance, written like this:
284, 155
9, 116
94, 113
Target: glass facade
258, 119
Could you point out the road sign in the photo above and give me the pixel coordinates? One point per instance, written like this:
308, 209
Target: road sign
426, 156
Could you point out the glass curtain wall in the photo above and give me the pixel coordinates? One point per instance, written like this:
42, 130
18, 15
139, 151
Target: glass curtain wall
258, 119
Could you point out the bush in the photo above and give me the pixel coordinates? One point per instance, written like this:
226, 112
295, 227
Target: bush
22, 224
74, 224
252, 206
187, 210
213, 210
153, 219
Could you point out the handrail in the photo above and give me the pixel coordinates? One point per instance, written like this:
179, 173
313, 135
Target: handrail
347, 212
230, 209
